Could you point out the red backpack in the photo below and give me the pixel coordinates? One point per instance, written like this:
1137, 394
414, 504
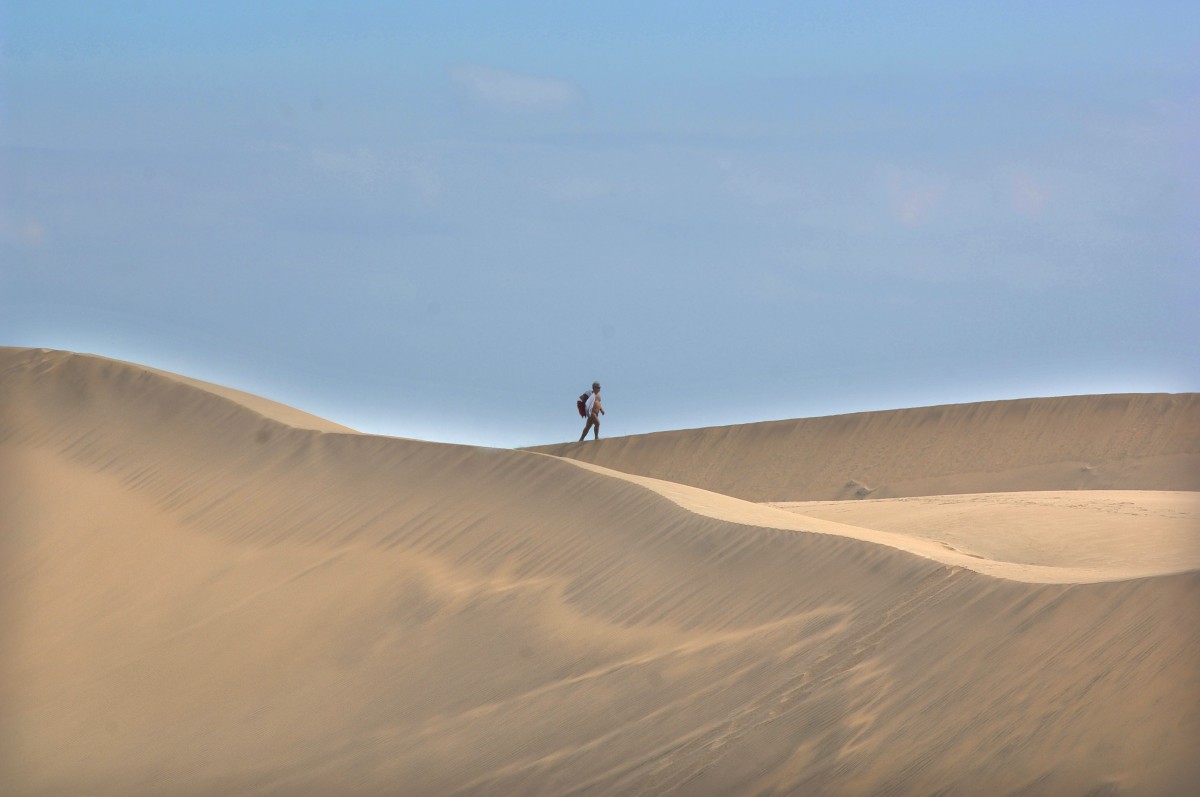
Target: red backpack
581, 405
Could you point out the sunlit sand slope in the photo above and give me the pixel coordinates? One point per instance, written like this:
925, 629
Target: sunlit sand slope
1127, 442
200, 599
1040, 537
1128, 532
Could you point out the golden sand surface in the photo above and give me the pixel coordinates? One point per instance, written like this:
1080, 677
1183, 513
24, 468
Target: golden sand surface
206, 594
1143, 441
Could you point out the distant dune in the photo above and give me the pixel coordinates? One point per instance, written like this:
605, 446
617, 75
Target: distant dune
1126, 442
207, 593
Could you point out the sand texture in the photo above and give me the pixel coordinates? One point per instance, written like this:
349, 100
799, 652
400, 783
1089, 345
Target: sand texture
208, 593
1132, 442
1122, 531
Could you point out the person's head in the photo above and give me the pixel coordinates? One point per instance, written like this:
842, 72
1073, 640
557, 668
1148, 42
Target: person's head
595, 387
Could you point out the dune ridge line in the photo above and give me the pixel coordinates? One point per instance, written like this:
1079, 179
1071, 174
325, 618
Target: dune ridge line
1101, 442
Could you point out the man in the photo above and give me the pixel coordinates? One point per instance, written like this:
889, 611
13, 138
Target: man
594, 411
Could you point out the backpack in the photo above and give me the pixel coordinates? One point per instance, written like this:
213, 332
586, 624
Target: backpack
581, 405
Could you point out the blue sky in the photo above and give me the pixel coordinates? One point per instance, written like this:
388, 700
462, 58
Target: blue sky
445, 220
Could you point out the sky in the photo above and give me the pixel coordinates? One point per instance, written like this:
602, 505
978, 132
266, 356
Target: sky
445, 220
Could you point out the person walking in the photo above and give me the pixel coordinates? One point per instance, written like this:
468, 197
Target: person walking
593, 410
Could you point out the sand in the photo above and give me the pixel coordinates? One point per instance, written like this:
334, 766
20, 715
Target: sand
1127, 532
204, 594
1106, 442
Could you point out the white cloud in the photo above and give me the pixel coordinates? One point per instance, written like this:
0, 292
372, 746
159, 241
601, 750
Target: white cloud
753, 184
575, 188
362, 165
365, 167
913, 197
914, 207
1028, 197
27, 233
509, 91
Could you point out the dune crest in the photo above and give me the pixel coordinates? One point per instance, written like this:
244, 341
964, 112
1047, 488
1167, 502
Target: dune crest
199, 597
1108, 442
1106, 549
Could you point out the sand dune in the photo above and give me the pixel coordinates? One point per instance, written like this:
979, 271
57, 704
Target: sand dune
1128, 533
1055, 538
263, 406
203, 597
1110, 442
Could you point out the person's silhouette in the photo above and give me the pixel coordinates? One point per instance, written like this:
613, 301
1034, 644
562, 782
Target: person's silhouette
594, 411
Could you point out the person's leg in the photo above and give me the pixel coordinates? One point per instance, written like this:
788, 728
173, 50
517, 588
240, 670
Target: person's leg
586, 426
596, 420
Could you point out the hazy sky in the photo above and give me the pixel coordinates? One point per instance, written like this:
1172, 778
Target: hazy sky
444, 220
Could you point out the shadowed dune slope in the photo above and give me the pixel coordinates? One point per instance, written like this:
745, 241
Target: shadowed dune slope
1106, 442
200, 599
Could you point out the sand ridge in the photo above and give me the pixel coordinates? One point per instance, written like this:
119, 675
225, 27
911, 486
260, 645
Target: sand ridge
200, 598
263, 406
1108, 549
1106, 442
1135, 532
1156, 556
